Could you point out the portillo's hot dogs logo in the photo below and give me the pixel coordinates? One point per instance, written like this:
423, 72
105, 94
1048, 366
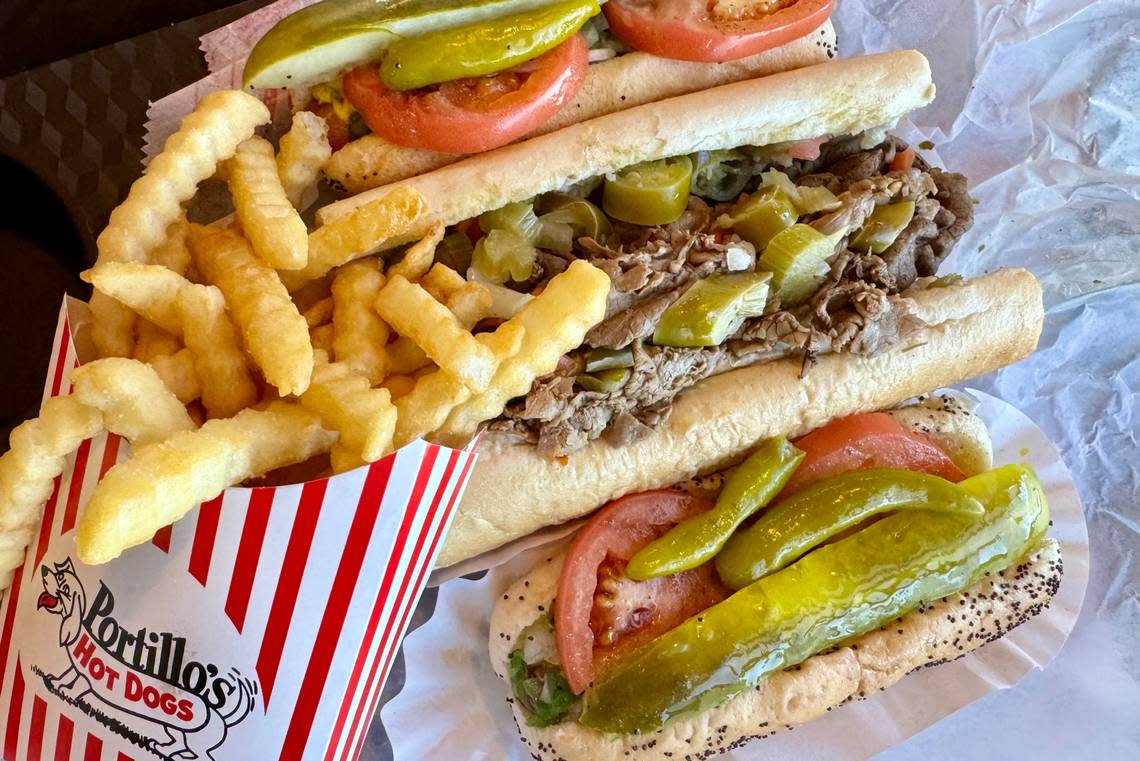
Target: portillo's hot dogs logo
139, 682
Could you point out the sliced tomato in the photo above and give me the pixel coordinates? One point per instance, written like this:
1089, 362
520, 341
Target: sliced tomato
871, 440
339, 135
474, 114
599, 612
713, 30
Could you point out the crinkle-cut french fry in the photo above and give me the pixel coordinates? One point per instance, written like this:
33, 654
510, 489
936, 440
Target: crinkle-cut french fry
36, 456
133, 399
313, 292
470, 304
178, 374
469, 301
399, 385
112, 326
436, 394
153, 341
322, 338
163, 481
343, 458
556, 322
359, 335
172, 252
303, 151
441, 281
320, 313
412, 312
420, 255
395, 218
223, 373
208, 135
405, 357
275, 333
364, 416
274, 228
149, 289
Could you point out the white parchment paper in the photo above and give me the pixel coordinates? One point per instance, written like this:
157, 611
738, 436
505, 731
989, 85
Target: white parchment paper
469, 719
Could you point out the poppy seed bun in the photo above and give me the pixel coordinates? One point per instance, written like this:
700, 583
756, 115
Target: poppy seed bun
618, 84
838, 98
941, 631
972, 328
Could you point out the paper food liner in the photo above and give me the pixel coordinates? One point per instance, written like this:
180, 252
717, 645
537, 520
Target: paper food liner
267, 618
465, 714
225, 50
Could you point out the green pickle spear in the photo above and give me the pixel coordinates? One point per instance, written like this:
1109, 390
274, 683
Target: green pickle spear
482, 48
837, 592
810, 517
712, 309
651, 193
316, 43
695, 541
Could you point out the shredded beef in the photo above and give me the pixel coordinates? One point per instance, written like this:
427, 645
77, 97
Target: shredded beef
649, 268
860, 307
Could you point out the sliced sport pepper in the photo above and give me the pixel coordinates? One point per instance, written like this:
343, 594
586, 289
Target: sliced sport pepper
837, 592
697, 540
810, 517
651, 193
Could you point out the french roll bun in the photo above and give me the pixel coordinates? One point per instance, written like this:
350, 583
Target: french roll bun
972, 328
838, 98
938, 632
620, 83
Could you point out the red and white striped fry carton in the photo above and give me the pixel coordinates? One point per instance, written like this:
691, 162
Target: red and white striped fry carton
262, 625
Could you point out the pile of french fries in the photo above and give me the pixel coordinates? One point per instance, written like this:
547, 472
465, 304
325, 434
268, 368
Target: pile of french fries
231, 350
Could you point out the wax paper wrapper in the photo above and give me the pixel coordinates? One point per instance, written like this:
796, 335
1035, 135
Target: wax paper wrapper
261, 625
465, 714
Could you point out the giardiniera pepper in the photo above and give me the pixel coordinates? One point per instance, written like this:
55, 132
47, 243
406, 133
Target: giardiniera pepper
810, 517
695, 541
839, 591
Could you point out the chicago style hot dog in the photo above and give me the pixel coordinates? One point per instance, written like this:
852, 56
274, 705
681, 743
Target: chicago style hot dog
671, 627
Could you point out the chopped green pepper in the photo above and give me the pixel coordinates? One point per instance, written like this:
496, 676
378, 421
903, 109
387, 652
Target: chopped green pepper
797, 258
583, 217
607, 359
807, 199
884, 225
517, 217
604, 381
837, 592
721, 175
503, 255
758, 219
749, 487
712, 309
652, 193
481, 48
810, 517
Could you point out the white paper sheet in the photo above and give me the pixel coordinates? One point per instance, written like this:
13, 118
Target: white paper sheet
469, 718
